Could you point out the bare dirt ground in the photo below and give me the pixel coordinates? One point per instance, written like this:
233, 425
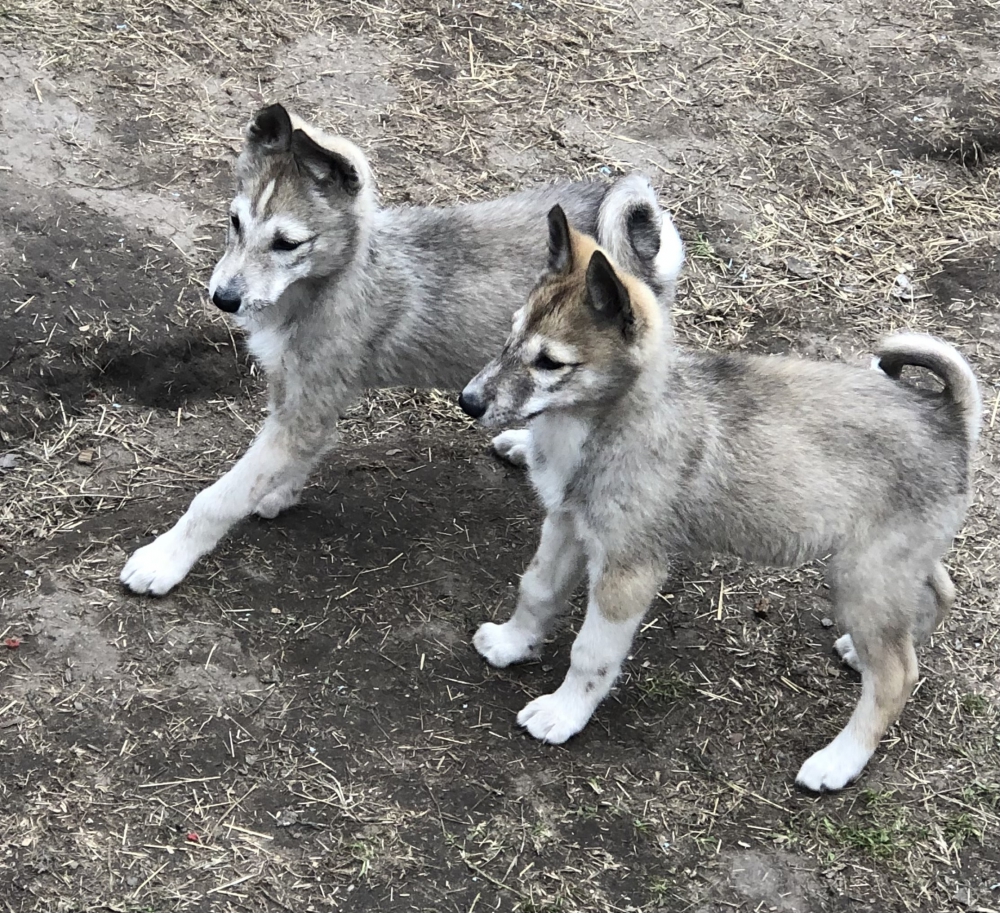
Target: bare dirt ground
303, 725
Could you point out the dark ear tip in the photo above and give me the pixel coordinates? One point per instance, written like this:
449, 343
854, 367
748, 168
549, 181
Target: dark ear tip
599, 260
271, 124
268, 115
558, 224
599, 269
558, 221
560, 246
608, 294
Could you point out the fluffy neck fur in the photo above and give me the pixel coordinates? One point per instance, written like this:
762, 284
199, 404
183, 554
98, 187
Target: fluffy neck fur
566, 440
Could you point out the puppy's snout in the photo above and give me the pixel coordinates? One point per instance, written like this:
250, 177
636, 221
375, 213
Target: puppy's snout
471, 405
227, 299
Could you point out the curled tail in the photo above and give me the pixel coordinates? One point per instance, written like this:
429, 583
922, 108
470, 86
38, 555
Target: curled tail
640, 236
939, 357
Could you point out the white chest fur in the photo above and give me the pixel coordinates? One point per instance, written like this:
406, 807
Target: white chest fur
267, 345
555, 453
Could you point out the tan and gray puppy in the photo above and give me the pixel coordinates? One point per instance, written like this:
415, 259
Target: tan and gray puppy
337, 294
642, 453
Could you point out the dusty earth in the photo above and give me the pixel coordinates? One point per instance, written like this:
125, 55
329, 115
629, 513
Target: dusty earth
303, 725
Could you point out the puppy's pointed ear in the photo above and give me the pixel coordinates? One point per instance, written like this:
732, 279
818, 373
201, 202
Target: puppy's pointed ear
608, 298
560, 246
270, 130
331, 170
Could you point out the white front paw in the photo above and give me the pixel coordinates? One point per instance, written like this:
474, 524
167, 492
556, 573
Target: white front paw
512, 446
158, 567
555, 717
277, 501
501, 645
846, 651
833, 767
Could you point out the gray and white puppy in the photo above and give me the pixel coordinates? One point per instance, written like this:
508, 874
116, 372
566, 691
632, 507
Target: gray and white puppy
643, 452
337, 294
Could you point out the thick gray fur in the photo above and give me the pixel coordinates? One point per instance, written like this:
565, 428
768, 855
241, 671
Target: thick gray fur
644, 453
370, 297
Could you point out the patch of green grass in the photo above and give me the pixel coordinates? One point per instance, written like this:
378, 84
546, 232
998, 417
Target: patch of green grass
879, 826
873, 840
878, 800
701, 249
707, 844
660, 888
541, 835
362, 851
974, 704
600, 811
981, 792
959, 828
665, 685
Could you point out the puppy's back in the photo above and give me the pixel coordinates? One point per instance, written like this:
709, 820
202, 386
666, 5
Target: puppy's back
780, 458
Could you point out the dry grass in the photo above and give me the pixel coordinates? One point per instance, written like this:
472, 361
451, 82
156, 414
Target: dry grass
814, 154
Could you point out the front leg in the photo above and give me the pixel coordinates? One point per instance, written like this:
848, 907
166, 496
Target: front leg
545, 590
279, 500
513, 446
277, 460
618, 600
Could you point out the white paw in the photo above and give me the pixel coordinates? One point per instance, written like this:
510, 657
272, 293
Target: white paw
277, 501
512, 446
159, 566
501, 645
845, 649
555, 717
833, 767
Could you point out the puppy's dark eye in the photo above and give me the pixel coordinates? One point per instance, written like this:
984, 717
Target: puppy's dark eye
544, 363
282, 243
235, 222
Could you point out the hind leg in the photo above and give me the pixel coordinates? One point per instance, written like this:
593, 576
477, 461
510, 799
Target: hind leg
877, 592
936, 598
844, 646
888, 673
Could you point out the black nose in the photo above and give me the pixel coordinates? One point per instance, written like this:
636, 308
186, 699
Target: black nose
226, 300
471, 406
